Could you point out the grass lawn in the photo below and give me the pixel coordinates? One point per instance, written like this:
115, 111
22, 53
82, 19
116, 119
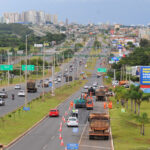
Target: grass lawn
19, 121
126, 129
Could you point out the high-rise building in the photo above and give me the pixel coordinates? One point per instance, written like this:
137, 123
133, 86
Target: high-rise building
55, 19
48, 18
31, 16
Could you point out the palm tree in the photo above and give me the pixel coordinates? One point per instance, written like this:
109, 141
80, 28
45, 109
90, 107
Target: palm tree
118, 92
141, 99
143, 119
126, 96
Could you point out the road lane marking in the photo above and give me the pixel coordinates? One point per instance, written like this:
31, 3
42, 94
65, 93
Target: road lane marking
45, 147
97, 147
82, 134
52, 137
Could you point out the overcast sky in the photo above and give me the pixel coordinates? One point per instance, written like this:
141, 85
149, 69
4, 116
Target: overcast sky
85, 11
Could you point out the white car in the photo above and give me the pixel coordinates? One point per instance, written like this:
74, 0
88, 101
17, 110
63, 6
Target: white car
86, 87
72, 122
2, 102
95, 84
56, 82
21, 93
115, 82
59, 79
17, 86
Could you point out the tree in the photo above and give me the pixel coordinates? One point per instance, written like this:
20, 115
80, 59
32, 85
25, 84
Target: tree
135, 94
144, 43
126, 96
131, 45
97, 44
141, 99
22, 46
143, 119
118, 92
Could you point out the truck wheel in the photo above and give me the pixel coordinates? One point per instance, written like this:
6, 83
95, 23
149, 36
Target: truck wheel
90, 137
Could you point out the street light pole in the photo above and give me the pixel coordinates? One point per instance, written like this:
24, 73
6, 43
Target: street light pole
43, 69
26, 73
8, 70
53, 74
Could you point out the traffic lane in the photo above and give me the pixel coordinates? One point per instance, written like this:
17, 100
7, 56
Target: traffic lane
46, 132
85, 143
67, 134
11, 105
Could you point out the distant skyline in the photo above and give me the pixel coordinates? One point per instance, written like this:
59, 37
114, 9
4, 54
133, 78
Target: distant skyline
85, 11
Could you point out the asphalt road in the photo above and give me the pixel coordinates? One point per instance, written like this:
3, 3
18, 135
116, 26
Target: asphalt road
11, 105
46, 135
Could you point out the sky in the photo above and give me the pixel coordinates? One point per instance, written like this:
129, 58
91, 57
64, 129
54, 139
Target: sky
86, 11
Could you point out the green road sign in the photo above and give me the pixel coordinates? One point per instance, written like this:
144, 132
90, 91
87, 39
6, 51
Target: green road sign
29, 67
6, 67
101, 70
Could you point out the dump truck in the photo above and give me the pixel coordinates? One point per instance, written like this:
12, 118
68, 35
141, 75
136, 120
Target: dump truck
89, 103
31, 86
80, 103
100, 95
99, 125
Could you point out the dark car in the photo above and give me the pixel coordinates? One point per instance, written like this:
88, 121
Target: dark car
3, 94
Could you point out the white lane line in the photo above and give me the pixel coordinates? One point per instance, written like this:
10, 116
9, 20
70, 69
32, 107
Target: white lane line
45, 147
52, 137
97, 147
82, 134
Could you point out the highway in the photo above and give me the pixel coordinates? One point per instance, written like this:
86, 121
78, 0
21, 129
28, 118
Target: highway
46, 135
11, 105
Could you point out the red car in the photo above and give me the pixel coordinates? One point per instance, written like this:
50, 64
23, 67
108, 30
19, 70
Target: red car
54, 113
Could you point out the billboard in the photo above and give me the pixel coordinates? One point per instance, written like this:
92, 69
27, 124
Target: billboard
145, 75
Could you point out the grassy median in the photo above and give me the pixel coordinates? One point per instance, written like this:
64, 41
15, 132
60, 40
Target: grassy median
126, 129
17, 122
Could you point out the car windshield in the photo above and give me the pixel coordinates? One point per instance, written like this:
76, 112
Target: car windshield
72, 119
89, 102
53, 110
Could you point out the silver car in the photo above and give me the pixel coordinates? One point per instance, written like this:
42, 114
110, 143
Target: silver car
2, 102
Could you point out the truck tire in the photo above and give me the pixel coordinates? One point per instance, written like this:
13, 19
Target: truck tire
90, 137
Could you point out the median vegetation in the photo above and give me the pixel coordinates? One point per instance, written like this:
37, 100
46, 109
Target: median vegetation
130, 120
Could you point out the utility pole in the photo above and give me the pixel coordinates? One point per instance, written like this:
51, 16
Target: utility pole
43, 70
62, 68
8, 70
53, 75
114, 74
68, 69
26, 73
121, 74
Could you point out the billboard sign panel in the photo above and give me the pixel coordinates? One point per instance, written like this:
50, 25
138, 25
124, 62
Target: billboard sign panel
145, 75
